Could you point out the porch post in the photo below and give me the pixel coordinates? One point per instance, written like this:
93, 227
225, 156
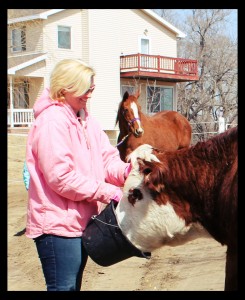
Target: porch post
11, 102
221, 120
221, 124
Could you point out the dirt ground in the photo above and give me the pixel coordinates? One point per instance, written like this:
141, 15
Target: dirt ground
196, 266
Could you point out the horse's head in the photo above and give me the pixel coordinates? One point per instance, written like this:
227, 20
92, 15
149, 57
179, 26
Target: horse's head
130, 109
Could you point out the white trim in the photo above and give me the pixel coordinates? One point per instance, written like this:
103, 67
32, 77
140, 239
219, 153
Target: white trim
28, 63
139, 43
24, 54
179, 33
43, 16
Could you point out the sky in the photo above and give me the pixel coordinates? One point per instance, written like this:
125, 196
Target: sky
232, 25
234, 22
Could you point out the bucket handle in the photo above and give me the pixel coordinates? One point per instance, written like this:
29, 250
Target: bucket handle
94, 218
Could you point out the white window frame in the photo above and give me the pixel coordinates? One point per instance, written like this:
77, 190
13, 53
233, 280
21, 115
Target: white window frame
144, 60
139, 44
160, 87
58, 31
19, 45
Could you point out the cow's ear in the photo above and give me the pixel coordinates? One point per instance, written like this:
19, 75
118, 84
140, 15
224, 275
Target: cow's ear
154, 179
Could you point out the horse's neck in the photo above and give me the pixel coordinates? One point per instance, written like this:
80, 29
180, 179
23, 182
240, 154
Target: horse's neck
123, 126
143, 117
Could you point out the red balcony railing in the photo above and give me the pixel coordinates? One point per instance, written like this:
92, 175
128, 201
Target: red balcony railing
160, 67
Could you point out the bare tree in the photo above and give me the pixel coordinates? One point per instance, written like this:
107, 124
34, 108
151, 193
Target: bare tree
215, 92
170, 15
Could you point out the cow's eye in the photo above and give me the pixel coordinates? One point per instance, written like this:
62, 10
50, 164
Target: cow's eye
146, 171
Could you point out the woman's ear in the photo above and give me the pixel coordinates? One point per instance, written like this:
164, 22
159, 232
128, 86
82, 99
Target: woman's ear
63, 92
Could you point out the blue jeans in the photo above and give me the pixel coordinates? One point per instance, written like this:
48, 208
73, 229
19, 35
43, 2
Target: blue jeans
63, 260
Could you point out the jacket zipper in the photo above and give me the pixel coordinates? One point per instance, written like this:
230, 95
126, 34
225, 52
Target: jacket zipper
84, 132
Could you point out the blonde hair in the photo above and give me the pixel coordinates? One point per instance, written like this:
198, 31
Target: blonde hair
73, 75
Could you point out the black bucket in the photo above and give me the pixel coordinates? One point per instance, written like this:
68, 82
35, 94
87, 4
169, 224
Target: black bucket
105, 242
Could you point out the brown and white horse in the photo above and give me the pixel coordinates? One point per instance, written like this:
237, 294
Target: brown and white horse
167, 195
165, 130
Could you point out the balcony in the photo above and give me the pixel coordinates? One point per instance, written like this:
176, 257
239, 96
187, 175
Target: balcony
156, 67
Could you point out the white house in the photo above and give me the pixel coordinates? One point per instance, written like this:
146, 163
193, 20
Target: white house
128, 48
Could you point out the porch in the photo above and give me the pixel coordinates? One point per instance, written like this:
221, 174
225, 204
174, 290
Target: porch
158, 67
20, 121
20, 118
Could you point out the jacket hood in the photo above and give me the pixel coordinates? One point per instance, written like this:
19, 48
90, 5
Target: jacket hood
43, 103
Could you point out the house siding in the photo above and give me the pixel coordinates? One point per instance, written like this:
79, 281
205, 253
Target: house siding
99, 37
36, 88
104, 53
70, 18
105, 30
162, 41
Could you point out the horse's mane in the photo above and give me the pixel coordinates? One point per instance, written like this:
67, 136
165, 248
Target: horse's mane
125, 96
118, 112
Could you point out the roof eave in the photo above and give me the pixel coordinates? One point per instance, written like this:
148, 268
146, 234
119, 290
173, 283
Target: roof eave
43, 16
179, 33
13, 70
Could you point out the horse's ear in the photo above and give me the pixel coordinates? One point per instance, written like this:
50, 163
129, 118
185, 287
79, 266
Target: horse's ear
137, 94
125, 96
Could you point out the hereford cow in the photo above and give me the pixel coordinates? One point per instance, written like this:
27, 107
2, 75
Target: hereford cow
166, 196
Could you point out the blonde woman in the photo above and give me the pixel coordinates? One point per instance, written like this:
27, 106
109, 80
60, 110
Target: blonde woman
74, 172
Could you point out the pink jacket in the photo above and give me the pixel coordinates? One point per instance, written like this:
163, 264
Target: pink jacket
73, 170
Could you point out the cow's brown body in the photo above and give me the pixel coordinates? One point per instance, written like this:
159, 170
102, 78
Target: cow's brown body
201, 183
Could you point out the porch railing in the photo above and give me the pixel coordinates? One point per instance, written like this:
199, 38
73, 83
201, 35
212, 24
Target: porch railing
20, 117
159, 64
25, 117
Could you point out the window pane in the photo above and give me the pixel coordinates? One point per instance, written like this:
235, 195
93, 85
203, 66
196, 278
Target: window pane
144, 46
127, 88
153, 99
166, 99
16, 39
21, 94
64, 37
19, 39
159, 99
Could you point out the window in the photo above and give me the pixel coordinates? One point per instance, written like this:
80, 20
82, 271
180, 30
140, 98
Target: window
64, 37
145, 49
127, 88
20, 94
145, 46
19, 39
159, 98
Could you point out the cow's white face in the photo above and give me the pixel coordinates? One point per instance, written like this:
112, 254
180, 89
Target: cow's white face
145, 223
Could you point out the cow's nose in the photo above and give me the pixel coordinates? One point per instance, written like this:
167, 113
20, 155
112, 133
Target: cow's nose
133, 195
